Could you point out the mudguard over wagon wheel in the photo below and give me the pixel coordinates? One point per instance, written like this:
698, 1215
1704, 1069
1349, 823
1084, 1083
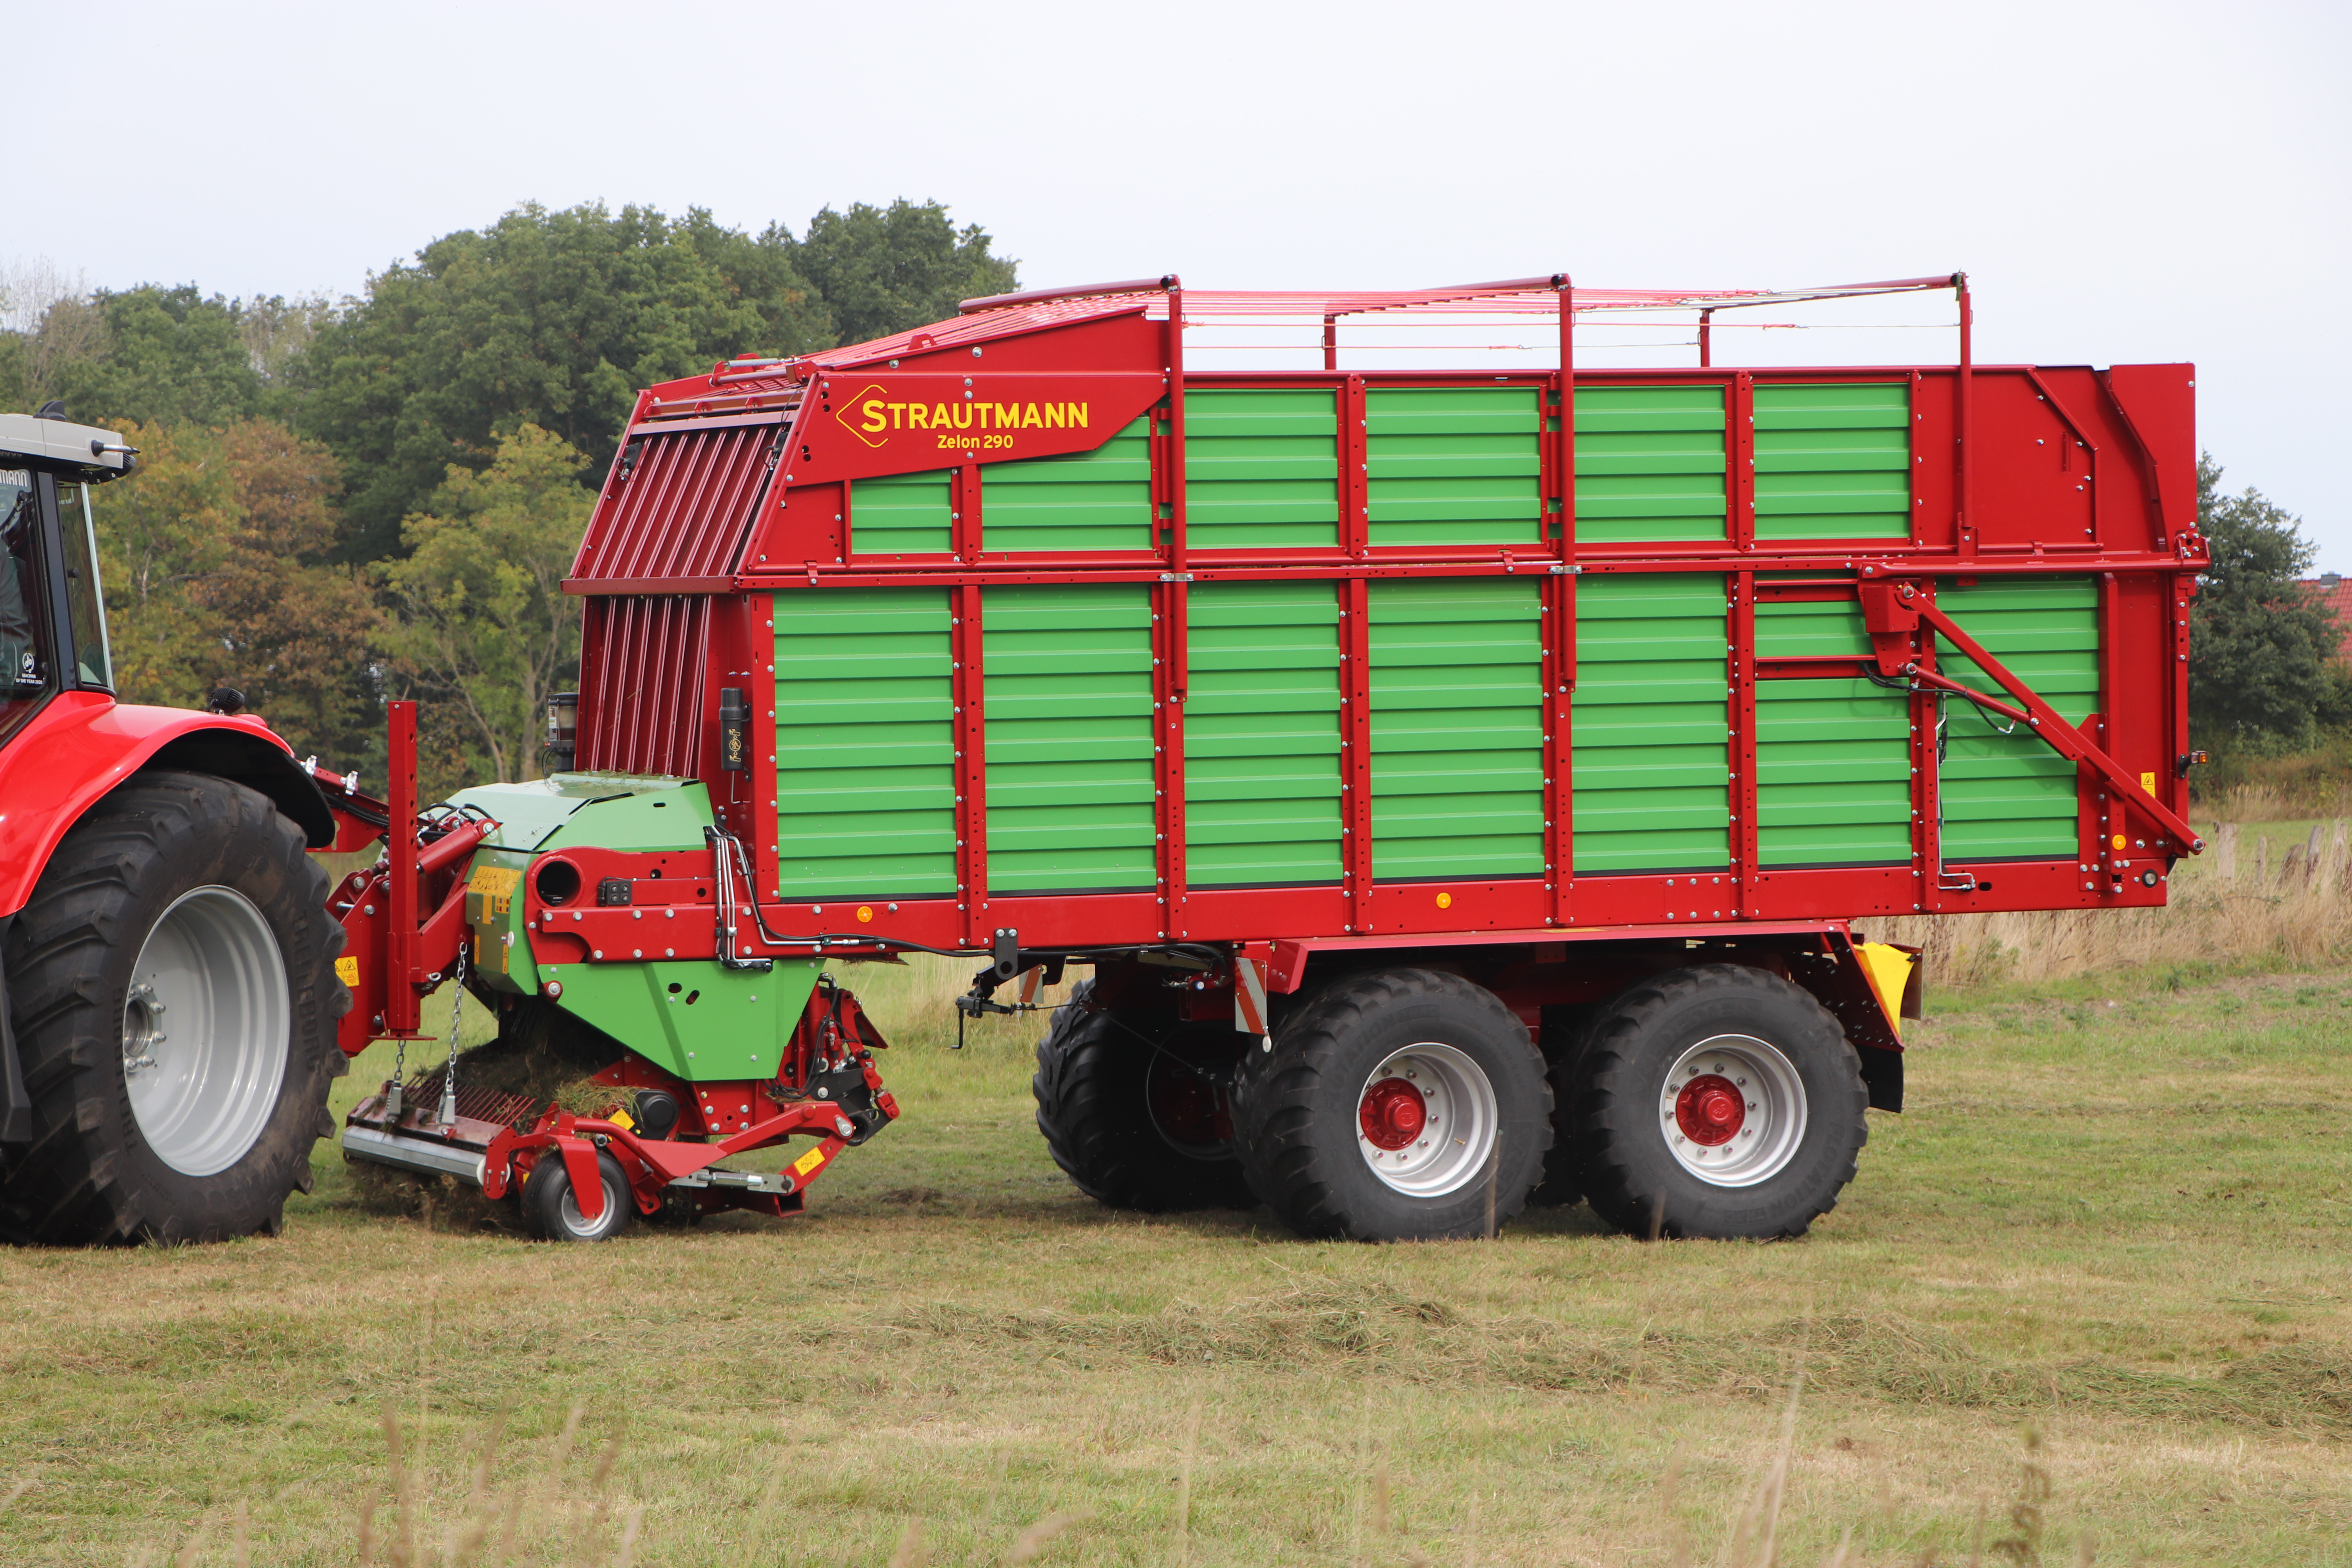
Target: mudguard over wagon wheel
174, 996
1401, 1105
1716, 1102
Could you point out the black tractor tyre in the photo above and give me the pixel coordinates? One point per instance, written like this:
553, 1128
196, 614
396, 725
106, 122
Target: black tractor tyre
214, 875
1132, 1104
1304, 1114
1764, 1051
553, 1214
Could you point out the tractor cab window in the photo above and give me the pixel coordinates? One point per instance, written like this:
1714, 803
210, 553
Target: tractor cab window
93, 659
26, 676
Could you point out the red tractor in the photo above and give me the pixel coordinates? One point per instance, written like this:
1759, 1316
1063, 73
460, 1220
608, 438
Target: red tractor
154, 869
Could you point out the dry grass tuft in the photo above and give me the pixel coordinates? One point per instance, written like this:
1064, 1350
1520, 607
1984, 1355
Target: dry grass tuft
2228, 907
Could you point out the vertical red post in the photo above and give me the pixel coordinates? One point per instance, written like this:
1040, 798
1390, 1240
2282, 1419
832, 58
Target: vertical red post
1169, 646
1965, 401
970, 686
1356, 750
1745, 829
1567, 454
1331, 343
400, 1007
1176, 424
1560, 751
1355, 476
1706, 335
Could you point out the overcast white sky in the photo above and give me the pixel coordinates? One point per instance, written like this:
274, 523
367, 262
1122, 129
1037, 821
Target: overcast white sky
2124, 183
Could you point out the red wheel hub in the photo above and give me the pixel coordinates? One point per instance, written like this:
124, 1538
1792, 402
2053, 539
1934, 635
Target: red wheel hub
1392, 1113
1710, 1110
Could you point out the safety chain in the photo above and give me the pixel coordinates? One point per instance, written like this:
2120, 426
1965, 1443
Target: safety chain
449, 1114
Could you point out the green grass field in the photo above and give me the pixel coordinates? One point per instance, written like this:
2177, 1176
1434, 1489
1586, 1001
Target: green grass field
2113, 1217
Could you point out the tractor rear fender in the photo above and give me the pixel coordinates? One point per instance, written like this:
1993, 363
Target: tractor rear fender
83, 744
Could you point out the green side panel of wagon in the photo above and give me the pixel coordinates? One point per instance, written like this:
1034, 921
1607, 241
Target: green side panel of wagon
1082, 500
1067, 669
1454, 464
1458, 727
865, 735
1833, 461
1262, 734
2010, 796
903, 514
1261, 470
1650, 735
1833, 754
1649, 464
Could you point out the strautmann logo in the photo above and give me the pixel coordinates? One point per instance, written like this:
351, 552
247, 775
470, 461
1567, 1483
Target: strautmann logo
874, 416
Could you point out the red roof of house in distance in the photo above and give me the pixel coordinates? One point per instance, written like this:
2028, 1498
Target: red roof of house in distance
2334, 591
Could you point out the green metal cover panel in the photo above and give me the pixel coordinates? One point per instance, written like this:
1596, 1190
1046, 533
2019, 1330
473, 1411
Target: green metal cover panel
902, 514
1650, 730
638, 819
689, 1017
864, 736
1454, 464
528, 813
1084, 501
1649, 463
1261, 469
1832, 754
2011, 796
1069, 675
1262, 734
1833, 461
1458, 727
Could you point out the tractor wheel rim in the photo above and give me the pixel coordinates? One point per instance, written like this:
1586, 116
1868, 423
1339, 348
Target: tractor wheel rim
1426, 1120
1732, 1110
206, 1030
567, 1209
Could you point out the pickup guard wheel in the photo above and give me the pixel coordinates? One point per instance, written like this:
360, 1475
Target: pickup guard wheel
173, 989
1133, 1107
1719, 1101
1401, 1105
553, 1212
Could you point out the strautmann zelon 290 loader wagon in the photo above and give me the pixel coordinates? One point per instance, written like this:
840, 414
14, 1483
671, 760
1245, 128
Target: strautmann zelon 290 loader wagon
1459, 786
1456, 798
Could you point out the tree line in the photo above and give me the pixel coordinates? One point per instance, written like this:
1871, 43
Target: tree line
340, 501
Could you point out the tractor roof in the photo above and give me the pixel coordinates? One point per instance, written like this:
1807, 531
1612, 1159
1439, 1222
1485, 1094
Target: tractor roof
47, 442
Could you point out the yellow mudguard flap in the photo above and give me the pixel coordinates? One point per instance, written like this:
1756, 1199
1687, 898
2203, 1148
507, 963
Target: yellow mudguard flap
1894, 977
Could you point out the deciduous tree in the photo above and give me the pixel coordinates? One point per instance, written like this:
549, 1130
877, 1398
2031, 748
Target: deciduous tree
2261, 647
484, 625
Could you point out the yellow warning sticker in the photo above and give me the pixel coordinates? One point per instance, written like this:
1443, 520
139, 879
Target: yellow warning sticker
809, 1162
496, 885
2148, 782
347, 970
621, 1120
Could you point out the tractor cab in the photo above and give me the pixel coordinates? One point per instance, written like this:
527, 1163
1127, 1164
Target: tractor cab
52, 616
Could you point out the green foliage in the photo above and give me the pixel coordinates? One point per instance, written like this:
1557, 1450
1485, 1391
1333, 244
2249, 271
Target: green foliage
167, 354
549, 319
211, 554
883, 270
2261, 653
485, 631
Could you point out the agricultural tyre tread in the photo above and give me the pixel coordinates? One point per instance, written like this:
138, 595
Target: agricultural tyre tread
1624, 1165
87, 1174
1092, 1107
1295, 1109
